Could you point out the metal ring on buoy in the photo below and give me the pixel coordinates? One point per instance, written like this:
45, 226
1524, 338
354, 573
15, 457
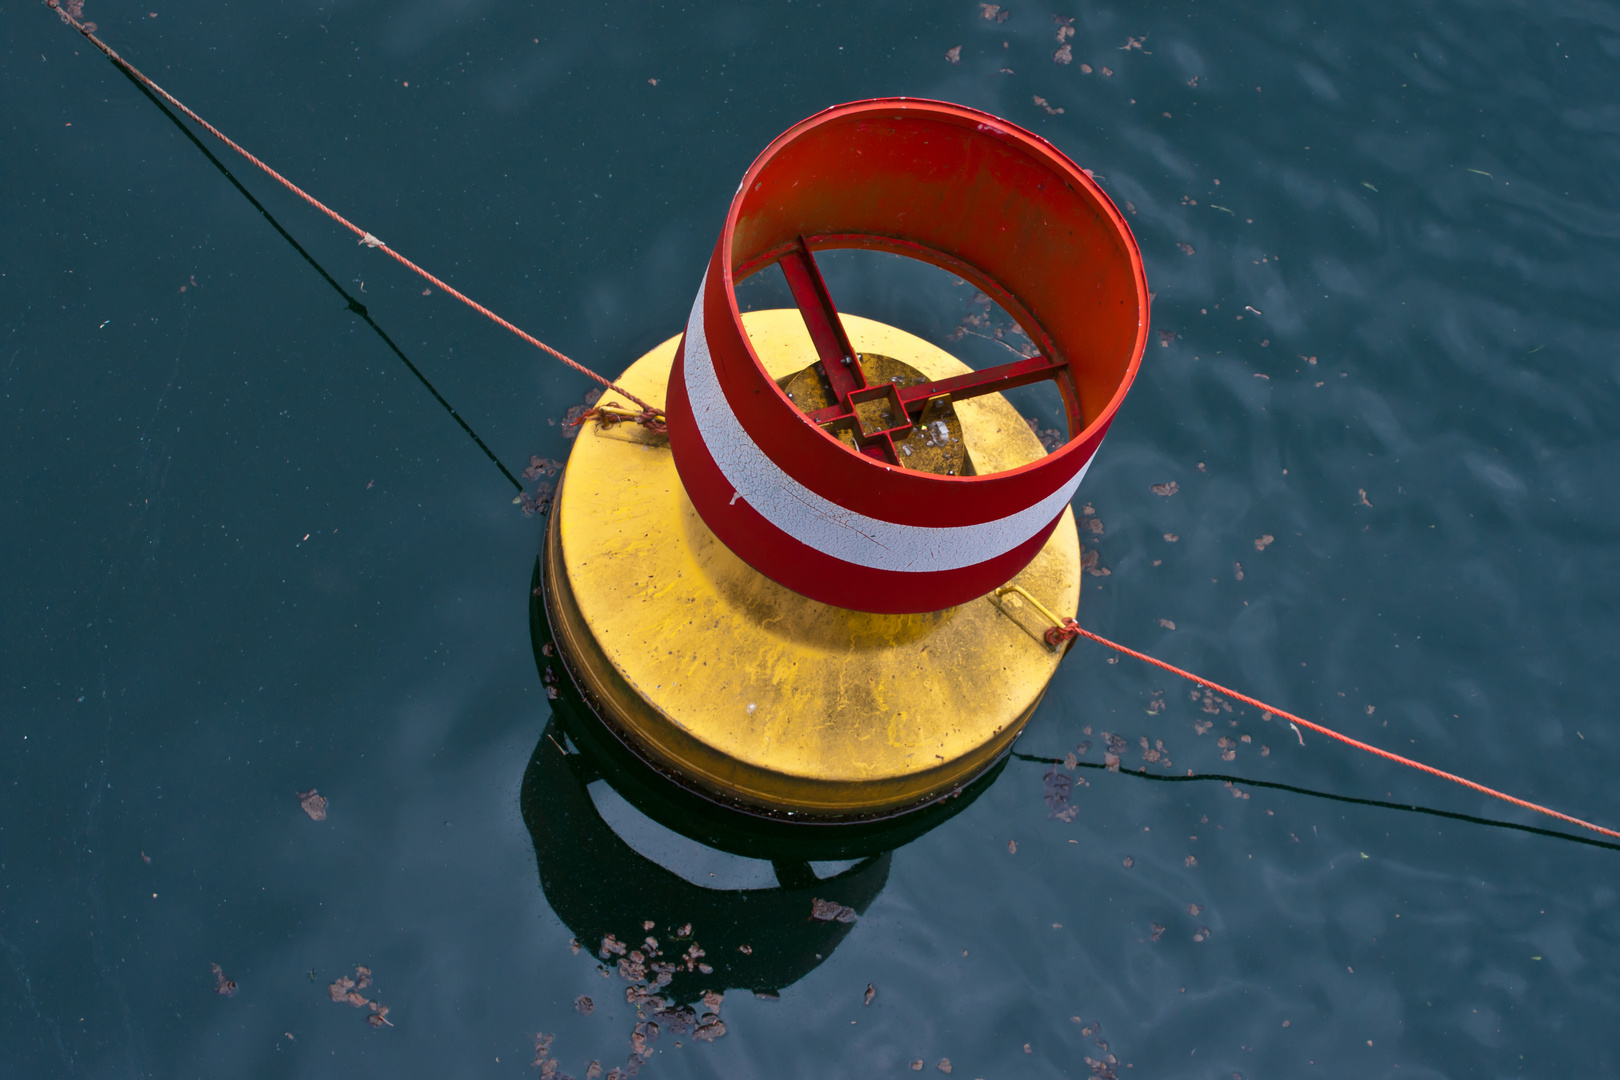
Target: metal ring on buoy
846, 523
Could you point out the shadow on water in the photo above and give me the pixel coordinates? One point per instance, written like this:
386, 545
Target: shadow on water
609, 893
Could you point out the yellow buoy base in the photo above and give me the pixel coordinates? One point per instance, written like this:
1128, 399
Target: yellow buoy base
746, 691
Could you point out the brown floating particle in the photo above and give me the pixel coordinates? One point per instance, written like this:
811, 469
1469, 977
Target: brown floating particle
1065, 27
1085, 69
1237, 571
314, 804
954, 55
222, 986
828, 911
1195, 910
1158, 931
1106, 71
339, 990
710, 1031
944, 1065
1043, 103
584, 1005
746, 950
871, 992
1166, 490
1012, 847
1064, 54
1192, 860
1187, 249
1129, 862
1264, 541
994, 12
684, 930
916, 1065
1167, 624
1171, 538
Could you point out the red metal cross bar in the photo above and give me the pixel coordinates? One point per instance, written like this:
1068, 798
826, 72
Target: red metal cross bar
848, 380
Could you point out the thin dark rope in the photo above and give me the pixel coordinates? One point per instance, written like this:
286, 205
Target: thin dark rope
354, 305
1409, 808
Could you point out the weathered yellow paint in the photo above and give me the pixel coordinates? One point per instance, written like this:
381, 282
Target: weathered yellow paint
735, 685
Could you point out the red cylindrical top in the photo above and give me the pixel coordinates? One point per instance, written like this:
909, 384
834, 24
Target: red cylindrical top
972, 194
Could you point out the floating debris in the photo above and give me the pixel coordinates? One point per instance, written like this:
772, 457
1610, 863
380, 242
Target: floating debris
1012, 847
1063, 55
1043, 103
994, 12
574, 418
222, 986
1157, 931
347, 991
1065, 27
539, 466
945, 1065
871, 992
1264, 542
1167, 624
1166, 490
1057, 789
539, 500
953, 55
1187, 249
828, 911
314, 804
584, 1005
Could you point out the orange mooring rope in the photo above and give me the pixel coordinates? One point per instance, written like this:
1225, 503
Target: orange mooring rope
1071, 630
649, 416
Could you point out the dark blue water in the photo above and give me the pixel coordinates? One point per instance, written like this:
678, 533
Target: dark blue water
246, 555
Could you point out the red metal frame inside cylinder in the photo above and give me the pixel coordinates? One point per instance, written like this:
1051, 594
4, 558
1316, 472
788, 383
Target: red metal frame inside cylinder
978, 197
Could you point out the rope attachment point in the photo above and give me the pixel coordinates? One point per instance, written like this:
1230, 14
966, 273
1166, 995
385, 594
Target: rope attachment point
609, 415
1062, 631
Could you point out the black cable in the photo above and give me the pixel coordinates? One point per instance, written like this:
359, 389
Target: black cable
1406, 807
354, 305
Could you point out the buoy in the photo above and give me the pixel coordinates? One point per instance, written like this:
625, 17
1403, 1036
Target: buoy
825, 594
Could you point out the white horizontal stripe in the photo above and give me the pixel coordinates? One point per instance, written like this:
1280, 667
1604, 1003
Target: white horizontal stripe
826, 526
